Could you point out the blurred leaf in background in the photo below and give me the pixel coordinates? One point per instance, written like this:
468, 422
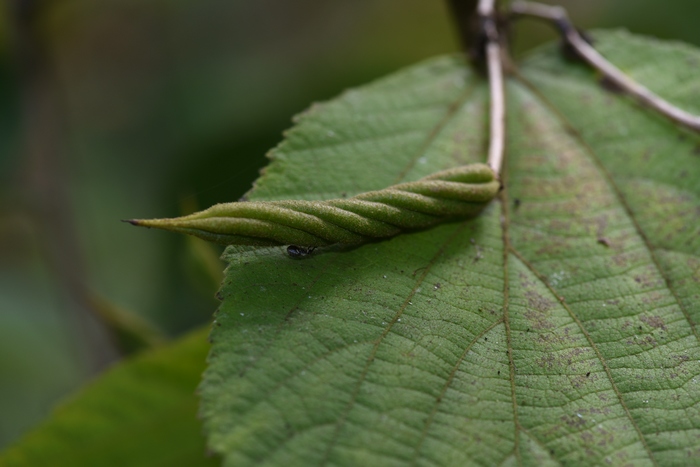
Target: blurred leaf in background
155, 105
139, 413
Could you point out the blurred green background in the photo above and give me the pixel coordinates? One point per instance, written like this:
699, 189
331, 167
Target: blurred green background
124, 109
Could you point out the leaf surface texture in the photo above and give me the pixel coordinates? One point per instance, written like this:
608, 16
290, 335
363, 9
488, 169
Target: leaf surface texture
556, 328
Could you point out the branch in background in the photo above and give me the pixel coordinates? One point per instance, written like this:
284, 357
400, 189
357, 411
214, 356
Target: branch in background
464, 14
558, 16
46, 185
487, 16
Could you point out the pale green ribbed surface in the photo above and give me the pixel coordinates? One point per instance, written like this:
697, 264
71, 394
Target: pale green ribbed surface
457, 193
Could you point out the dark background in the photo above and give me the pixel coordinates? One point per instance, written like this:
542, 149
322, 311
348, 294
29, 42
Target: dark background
123, 109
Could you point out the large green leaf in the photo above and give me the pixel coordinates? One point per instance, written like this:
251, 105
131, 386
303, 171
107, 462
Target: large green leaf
557, 328
141, 413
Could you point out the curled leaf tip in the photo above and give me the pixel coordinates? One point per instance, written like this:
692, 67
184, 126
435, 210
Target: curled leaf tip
460, 192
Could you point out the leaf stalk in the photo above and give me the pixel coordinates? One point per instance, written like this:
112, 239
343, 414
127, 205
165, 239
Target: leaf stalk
559, 18
487, 14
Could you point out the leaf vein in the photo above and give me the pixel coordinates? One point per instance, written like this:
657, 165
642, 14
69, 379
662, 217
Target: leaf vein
353, 399
595, 348
450, 378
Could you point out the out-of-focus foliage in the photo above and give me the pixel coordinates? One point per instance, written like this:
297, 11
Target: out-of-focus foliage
156, 105
140, 413
160, 108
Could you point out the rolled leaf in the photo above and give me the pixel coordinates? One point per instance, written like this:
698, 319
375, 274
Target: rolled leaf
457, 193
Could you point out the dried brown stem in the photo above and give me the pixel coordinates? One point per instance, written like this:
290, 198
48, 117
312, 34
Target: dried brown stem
557, 16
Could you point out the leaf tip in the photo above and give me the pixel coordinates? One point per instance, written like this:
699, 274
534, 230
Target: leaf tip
144, 222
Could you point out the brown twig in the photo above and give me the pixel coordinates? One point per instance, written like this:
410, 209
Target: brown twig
557, 16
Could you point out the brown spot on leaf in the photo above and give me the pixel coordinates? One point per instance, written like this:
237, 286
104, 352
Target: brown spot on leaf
654, 322
546, 361
646, 280
653, 297
538, 302
623, 259
646, 341
559, 225
620, 260
587, 438
551, 339
538, 320
551, 360
574, 421
578, 381
553, 246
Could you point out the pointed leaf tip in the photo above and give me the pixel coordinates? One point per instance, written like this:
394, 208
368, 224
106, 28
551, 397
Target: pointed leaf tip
460, 192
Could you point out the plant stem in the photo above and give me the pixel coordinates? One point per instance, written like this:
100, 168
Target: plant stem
560, 19
487, 15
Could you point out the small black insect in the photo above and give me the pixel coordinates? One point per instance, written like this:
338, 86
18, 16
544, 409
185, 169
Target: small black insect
604, 241
297, 252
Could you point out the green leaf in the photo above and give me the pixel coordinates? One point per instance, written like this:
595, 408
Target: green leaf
142, 412
556, 328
